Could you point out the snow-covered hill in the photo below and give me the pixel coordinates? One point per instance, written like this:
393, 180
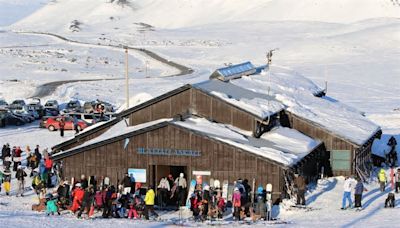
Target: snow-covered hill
184, 13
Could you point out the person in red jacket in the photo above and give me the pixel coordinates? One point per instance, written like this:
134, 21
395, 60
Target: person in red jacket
77, 195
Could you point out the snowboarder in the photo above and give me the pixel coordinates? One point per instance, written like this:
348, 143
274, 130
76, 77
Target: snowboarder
300, 185
149, 201
20, 175
382, 179
358, 191
347, 187
77, 195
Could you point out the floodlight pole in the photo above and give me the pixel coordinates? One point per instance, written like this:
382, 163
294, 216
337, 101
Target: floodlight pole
126, 78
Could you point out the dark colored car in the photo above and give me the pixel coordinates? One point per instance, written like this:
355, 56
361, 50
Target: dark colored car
8, 118
17, 104
73, 106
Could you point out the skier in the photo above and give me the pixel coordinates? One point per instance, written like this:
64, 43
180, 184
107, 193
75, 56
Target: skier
300, 185
382, 179
397, 179
87, 201
20, 175
347, 187
181, 188
149, 201
359, 189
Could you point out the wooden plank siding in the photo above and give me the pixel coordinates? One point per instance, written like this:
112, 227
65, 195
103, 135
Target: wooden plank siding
224, 161
331, 141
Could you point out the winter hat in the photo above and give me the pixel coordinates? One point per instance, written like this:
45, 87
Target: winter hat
207, 188
19, 167
78, 185
217, 184
260, 190
236, 189
181, 175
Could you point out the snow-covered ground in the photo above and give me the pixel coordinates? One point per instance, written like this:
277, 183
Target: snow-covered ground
353, 45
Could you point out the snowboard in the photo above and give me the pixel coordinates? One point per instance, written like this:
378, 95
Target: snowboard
106, 181
231, 187
268, 189
212, 183
192, 186
225, 190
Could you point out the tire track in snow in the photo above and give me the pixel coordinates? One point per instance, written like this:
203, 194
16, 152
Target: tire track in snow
48, 88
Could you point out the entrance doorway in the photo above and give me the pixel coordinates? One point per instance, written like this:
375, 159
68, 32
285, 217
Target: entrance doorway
164, 170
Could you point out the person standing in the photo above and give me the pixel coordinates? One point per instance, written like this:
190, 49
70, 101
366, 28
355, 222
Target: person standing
181, 188
163, 189
20, 176
62, 126
359, 189
397, 180
75, 119
149, 203
300, 184
38, 156
236, 204
126, 182
382, 179
17, 157
7, 181
347, 187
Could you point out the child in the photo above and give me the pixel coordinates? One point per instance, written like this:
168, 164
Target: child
51, 205
132, 212
7, 181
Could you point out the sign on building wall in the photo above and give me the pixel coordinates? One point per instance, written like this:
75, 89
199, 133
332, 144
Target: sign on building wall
138, 174
168, 152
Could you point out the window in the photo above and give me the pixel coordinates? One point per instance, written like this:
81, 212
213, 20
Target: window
340, 160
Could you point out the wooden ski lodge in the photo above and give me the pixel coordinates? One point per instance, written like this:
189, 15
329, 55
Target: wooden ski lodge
220, 130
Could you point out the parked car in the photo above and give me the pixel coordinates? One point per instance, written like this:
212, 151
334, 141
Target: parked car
43, 121
27, 117
89, 118
51, 112
51, 104
3, 104
8, 118
53, 123
36, 105
96, 106
17, 104
73, 106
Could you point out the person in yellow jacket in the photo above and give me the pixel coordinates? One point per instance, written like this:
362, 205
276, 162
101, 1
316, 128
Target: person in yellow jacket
7, 181
149, 201
382, 179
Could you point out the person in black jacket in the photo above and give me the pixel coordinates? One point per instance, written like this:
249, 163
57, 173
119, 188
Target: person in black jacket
20, 176
63, 194
127, 183
107, 201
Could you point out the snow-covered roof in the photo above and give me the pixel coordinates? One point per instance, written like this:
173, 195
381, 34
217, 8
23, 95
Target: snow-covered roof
233, 71
259, 104
283, 145
297, 94
116, 130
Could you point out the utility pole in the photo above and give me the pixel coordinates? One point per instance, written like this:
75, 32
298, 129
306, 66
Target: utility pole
126, 78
